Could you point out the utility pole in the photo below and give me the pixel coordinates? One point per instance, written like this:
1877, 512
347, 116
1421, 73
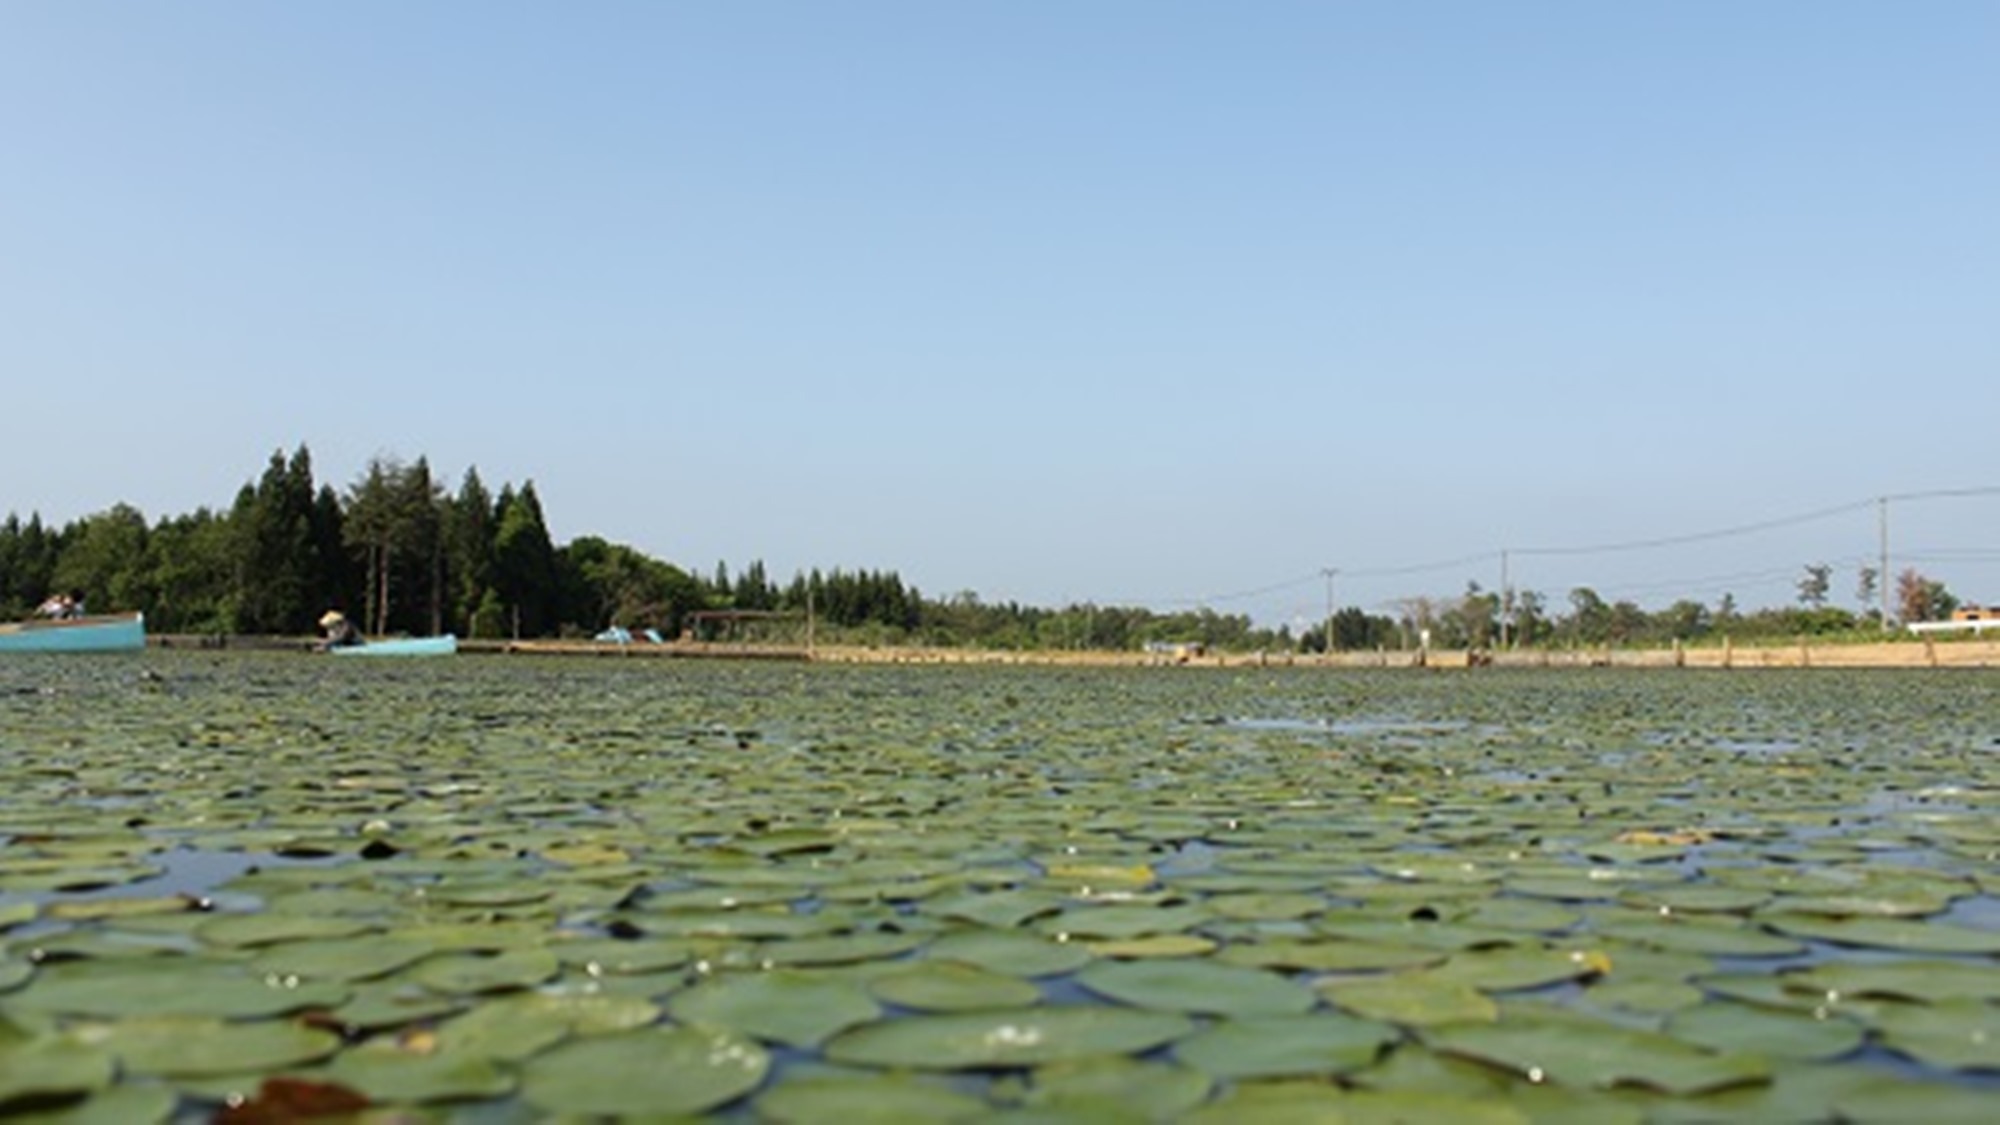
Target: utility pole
1506, 600
1328, 572
1882, 524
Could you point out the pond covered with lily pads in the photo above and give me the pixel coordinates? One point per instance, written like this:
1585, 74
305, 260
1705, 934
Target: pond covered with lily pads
253, 888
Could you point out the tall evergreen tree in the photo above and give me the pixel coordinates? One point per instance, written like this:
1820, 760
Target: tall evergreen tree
273, 548
524, 564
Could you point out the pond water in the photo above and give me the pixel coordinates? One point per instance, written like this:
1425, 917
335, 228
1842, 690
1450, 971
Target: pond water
501, 889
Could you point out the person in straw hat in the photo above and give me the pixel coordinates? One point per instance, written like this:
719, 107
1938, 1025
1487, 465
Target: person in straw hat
336, 631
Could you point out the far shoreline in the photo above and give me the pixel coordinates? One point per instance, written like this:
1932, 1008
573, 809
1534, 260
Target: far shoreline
1919, 653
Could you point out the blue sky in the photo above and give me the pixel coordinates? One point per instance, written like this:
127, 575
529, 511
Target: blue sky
1148, 302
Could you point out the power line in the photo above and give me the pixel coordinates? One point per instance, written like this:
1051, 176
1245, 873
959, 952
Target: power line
1654, 543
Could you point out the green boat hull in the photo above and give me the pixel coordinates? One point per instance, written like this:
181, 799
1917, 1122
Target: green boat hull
124, 633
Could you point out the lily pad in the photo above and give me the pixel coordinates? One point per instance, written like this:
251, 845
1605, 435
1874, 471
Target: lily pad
1928, 980
1277, 1046
388, 1071
144, 987
953, 986
1888, 933
183, 1047
49, 1066
1016, 954
1594, 1054
657, 1071
1412, 999
1018, 1037
1203, 987
867, 1099
1954, 1034
793, 1007
1112, 1085
500, 972
1724, 1026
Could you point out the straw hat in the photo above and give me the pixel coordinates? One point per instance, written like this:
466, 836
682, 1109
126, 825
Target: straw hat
331, 618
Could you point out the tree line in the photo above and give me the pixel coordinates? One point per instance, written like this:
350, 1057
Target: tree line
399, 552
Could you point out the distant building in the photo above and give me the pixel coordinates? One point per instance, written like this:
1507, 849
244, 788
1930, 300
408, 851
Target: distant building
1976, 618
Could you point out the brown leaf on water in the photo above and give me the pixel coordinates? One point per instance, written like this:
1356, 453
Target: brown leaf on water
284, 1101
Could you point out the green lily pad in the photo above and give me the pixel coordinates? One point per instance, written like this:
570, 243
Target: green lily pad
1724, 1026
1204, 987
127, 1104
794, 1007
1113, 922
516, 1026
1018, 1037
1277, 1046
844, 949
1015, 954
1111, 1085
183, 1047
1592, 1054
1289, 1102
656, 1071
1699, 898
382, 1005
163, 986
388, 1072
867, 1099
246, 930
49, 1066
465, 973
1267, 906
1505, 970
1398, 1107
952, 986
341, 959
1928, 980
1888, 933
615, 957
1417, 999
1329, 956
1954, 1034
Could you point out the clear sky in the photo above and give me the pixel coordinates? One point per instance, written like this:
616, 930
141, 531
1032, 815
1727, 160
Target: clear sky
1123, 300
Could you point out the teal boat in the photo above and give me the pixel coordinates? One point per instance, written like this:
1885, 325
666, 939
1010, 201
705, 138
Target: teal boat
124, 632
402, 646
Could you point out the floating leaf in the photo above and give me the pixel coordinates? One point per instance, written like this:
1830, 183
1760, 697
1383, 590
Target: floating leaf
1113, 1086
1591, 1054
341, 959
682, 1070
952, 986
499, 972
1114, 922
159, 986
841, 950
49, 1066
1411, 999
1204, 987
387, 1071
1154, 945
868, 1099
1888, 933
1724, 1026
1955, 1034
1276, 1046
1016, 954
1019, 1037
796, 1008
183, 1047
1927, 980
